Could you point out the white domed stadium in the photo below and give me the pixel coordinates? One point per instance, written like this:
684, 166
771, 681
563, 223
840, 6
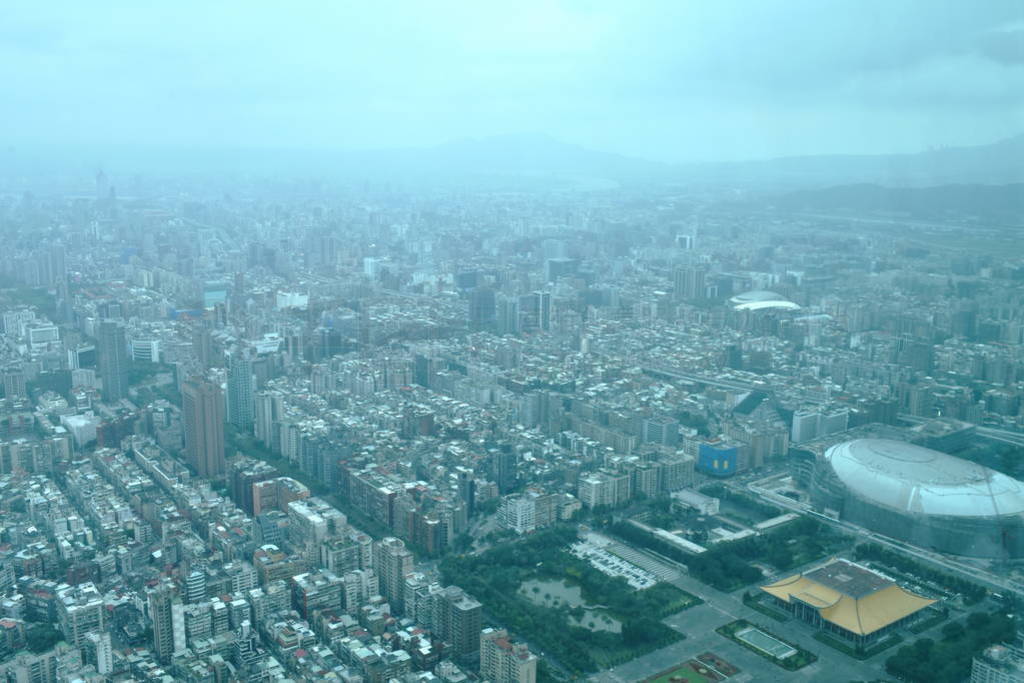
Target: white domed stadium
761, 300
928, 498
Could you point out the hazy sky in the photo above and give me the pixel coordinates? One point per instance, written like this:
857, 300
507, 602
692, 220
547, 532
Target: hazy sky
674, 80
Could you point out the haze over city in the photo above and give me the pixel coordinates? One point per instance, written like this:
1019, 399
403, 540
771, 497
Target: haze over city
409, 342
667, 81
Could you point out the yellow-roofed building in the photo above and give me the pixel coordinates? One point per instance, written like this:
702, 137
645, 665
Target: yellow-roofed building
849, 600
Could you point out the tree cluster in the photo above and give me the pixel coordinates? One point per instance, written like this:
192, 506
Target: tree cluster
902, 563
495, 576
949, 659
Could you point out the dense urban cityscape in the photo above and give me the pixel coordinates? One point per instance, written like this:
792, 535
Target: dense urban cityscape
401, 342
411, 437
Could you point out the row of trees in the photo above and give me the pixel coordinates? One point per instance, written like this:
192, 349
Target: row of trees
726, 566
949, 659
971, 591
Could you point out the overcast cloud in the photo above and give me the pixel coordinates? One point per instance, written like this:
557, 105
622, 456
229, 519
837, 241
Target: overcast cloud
668, 80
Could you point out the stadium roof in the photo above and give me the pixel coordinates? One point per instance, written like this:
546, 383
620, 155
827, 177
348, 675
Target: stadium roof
758, 300
850, 596
917, 480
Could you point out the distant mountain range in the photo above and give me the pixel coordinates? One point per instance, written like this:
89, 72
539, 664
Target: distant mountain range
1000, 203
997, 163
538, 161
993, 164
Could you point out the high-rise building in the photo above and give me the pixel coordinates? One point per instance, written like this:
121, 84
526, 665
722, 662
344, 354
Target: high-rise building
101, 652
269, 410
507, 314
392, 562
502, 661
457, 621
317, 591
244, 474
195, 586
80, 612
202, 407
168, 617
467, 490
113, 360
202, 346
542, 306
518, 513
482, 309
240, 390
690, 282
359, 585
504, 469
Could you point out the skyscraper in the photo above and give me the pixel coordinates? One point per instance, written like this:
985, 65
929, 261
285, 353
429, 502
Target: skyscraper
202, 346
467, 490
503, 464
168, 617
202, 407
482, 309
542, 306
113, 360
690, 282
240, 390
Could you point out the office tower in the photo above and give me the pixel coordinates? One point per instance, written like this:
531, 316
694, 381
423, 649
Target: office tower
392, 562
508, 315
240, 390
542, 309
457, 621
504, 469
733, 357
168, 617
467, 490
502, 661
805, 425
482, 311
202, 407
690, 282
113, 360
202, 346
269, 411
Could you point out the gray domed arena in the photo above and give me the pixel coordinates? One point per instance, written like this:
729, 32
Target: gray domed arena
762, 300
931, 499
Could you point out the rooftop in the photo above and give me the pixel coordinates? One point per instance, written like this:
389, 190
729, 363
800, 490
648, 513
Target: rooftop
850, 596
913, 479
